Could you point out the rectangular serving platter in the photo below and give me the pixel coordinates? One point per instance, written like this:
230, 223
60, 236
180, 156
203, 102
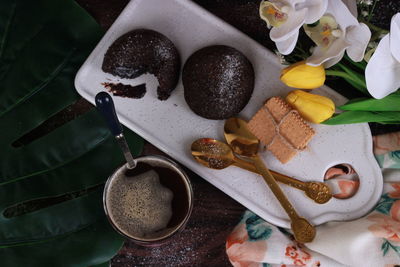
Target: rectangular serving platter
172, 126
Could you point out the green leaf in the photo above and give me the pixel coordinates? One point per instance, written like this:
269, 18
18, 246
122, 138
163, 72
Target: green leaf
360, 65
388, 103
359, 87
384, 207
312, 25
386, 197
92, 245
42, 45
396, 249
257, 228
104, 264
355, 77
350, 78
385, 247
349, 117
353, 73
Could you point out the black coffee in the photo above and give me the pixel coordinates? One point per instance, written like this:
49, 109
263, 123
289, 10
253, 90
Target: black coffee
147, 202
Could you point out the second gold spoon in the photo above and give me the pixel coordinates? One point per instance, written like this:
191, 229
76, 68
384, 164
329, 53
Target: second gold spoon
215, 154
246, 144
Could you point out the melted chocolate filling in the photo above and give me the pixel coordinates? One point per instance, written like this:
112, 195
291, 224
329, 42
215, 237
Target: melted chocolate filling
126, 90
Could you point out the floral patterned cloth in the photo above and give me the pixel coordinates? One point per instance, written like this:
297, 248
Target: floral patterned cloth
370, 241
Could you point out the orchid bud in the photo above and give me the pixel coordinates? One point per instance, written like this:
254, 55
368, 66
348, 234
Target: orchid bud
301, 75
314, 108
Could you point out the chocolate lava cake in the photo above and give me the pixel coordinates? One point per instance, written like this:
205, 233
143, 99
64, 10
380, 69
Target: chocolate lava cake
218, 82
144, 51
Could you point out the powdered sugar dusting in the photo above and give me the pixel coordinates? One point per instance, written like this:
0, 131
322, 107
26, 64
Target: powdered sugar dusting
230, 71
218, 82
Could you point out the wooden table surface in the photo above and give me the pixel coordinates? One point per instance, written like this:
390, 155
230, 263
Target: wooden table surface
202, 242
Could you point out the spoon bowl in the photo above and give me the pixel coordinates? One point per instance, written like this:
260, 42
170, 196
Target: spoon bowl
241, 140
212, 153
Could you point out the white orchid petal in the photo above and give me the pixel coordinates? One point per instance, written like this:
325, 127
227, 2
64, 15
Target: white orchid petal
358, 37
294, 22
329, 63
315, 10
321, 55
395, 36
352, 6
286, 47
294, 3
341, 13
382, 71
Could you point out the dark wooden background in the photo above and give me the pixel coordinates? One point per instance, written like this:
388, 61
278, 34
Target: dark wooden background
202, 242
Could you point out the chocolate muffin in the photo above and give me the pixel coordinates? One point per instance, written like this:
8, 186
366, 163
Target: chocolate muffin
218, 82
144, 51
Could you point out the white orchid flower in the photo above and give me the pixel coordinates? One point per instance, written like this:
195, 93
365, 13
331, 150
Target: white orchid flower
352, 6
383, 70
286, 18
337, 32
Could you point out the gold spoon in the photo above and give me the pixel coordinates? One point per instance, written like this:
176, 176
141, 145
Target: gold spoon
215, 154
246, 144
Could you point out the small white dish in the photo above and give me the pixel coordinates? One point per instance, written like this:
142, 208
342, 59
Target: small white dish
172, 126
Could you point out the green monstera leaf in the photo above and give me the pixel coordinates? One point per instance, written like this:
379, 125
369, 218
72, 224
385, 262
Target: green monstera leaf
42, 45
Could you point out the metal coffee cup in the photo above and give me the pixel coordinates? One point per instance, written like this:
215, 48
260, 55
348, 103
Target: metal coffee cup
156, 161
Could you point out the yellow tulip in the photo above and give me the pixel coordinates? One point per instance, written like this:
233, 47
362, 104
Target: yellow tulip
314, 108
301, 75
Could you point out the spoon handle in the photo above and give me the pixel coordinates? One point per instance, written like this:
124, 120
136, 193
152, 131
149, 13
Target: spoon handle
319, 192
105, 105
278, 176
289, 181
125, 149
273, 185
303, 231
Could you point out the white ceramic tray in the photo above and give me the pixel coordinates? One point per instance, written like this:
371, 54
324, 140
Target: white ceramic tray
172, 126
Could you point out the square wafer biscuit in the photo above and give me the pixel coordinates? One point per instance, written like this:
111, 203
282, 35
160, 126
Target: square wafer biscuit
281, 129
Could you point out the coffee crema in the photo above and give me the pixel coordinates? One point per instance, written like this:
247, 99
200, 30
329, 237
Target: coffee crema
147, 202
140, 205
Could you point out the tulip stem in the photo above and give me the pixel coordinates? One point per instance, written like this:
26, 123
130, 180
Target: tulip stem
352, 79
371, 12
360, 65
354, 74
